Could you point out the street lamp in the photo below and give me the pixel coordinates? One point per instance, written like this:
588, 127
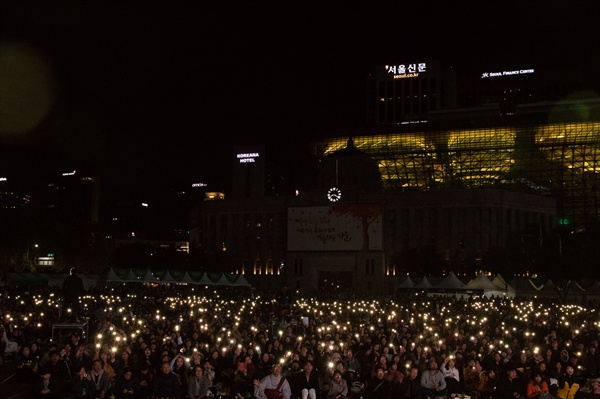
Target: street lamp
35, 246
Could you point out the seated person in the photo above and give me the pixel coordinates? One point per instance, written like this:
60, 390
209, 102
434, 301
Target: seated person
433, 382
537, 388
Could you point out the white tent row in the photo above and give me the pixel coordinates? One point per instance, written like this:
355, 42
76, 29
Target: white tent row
89, 281
163, 277
483, 285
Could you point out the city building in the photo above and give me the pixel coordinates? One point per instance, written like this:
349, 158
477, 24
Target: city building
428, 176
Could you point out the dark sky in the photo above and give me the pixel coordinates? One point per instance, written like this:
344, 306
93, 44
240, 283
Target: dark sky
159, 92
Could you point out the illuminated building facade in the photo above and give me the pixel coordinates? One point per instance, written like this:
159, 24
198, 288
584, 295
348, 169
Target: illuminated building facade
248, 172
521, 153
457, 172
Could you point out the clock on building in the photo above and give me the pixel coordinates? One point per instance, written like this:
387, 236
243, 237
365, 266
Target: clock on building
334, 194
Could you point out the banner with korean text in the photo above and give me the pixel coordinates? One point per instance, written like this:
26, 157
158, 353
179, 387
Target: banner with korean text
335, 228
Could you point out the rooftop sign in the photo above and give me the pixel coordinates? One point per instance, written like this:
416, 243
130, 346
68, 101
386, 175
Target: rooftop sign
403, 71
248, 157
506, 73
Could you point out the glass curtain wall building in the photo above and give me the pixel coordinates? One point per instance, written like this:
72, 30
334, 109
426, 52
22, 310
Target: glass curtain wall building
561, 160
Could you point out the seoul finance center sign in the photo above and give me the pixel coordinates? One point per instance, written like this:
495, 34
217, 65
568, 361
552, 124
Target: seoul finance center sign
403, 71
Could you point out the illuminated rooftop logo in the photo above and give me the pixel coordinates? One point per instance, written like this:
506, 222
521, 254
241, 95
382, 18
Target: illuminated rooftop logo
506, 73
248, 157
403, 71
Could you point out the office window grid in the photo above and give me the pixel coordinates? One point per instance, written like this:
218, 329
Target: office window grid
561, 160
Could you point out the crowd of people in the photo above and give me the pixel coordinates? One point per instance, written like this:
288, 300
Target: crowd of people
131, 341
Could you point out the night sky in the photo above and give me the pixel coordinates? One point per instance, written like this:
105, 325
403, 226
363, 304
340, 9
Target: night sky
158, 93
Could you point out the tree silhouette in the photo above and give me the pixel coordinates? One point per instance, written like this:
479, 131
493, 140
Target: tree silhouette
367, 214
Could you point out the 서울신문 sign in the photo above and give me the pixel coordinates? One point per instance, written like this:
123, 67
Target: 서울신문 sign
403, 71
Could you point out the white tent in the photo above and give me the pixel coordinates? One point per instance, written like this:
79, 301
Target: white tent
424, 284
501, 283
112, 277
523, 286
204, 280
482, 283
407, 283
238, 280
548, 289
451, 282
89, 280
222, 280
188, 279
132, 278
167, 278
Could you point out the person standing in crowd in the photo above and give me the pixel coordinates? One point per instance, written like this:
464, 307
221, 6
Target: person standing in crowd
72, 289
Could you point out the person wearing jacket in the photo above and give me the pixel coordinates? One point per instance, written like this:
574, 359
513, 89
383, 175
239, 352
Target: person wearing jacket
338, 387
166, 383
537, 386
433, 382
306, 383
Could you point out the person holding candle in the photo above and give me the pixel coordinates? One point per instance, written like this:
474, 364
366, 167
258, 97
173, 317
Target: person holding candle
451, 375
